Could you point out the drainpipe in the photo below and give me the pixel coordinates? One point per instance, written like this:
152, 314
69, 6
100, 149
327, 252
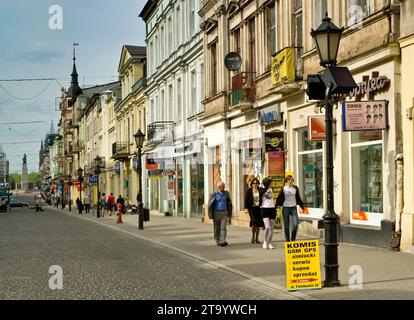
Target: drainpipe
396, 235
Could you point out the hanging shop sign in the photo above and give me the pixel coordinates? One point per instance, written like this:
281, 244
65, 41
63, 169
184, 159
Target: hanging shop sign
316, 128
117, 167
303, 268
151, 164
283, 67
274, 141
135, 164
270, 115
160, 173
365, 115
370, 87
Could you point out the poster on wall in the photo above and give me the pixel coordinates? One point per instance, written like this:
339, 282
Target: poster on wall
274, 141
276, 169
365, 115
316, 128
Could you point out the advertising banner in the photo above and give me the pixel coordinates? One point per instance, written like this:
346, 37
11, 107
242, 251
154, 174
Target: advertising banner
283, 67
365, 115
303, 269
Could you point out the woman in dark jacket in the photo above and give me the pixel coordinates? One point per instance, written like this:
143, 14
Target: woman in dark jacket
289, 199
252, 203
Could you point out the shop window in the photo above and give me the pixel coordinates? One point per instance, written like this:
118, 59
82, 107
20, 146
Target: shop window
250, 165
367, 172
310, 170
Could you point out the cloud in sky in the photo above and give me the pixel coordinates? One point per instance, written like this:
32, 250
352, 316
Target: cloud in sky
30, 49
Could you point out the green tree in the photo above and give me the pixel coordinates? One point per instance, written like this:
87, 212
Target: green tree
15, 178
34, 178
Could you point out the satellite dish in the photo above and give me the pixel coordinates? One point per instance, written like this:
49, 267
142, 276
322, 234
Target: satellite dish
233, 61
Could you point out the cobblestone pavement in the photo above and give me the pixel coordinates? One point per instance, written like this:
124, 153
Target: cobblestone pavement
99, 263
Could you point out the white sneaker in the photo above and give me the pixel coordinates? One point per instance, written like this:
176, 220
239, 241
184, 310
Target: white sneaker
270, 246
265, 245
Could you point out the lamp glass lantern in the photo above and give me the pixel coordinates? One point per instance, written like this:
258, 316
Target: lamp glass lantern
327, 37
139, 138
98, 162
80, 171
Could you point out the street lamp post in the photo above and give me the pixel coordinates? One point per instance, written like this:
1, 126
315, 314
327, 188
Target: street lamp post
69, 192
327, 87
139, 140
98, 165
80, 171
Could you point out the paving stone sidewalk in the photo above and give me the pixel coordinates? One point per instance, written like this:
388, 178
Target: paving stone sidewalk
387, 275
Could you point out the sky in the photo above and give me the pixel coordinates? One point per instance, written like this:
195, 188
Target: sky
31, 49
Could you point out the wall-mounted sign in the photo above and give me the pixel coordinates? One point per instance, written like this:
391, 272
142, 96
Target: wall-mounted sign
274, 141
316, 128
93, 180
117, 167
233, 61
283, 67
252, 154
270, 115
365, 115
151, 164
370, 87
135, 164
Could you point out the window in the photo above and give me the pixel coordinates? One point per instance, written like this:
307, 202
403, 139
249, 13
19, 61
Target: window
236, 39
169, 49
321, 8
213, 52
161, 116
171, 102
179, 100
252, 45
161, 47
178, 25
200, 109
192, 17
358, 9
367, 177
271, 25
193, 105
310, 170
298, 37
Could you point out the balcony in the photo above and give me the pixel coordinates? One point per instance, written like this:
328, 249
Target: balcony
243, 88
160, 131
120, 151
78, 147
140, 83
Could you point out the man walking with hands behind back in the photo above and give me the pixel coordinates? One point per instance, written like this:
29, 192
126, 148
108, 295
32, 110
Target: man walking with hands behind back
219, 209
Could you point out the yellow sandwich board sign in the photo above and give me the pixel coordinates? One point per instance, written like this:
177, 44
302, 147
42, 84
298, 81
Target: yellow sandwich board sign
303, 270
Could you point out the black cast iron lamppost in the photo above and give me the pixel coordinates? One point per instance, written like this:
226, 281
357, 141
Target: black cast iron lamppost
139, 141
70, 183
98, 166
327, 87
80, 172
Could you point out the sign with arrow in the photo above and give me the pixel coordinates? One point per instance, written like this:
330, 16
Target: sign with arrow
303, 270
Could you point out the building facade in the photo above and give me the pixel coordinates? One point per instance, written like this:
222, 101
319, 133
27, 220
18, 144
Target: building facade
406, 204
256, 118
174, 165
129, 117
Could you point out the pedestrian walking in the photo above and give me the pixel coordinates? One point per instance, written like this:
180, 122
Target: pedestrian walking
110, 204
119, 212
252, 204
289, 199
122, 202
268, 212
87, 203
79, 205
102, 204
220, 208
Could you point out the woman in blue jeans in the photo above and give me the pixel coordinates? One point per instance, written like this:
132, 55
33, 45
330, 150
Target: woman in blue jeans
289, 199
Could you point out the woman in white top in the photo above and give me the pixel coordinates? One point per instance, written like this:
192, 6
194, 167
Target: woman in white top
268, 212
289, 198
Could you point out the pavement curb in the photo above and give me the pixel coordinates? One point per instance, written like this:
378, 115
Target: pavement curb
279, 291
